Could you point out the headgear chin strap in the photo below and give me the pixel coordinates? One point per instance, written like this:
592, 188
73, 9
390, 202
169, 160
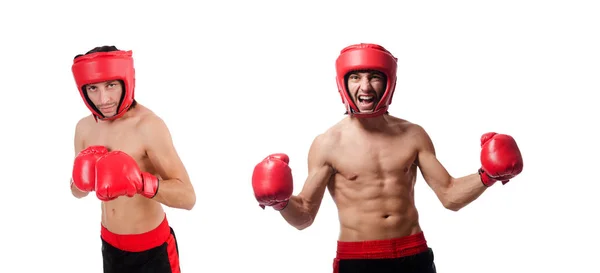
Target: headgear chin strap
366, 57
106, 66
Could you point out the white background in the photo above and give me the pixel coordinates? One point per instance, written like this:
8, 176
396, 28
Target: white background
237, 80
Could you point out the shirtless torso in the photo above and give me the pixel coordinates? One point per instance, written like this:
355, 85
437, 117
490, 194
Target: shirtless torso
374, 179
124, 215
369, 167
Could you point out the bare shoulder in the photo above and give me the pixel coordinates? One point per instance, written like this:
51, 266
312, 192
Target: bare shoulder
419, 137
154, 133
85, 122
149, 122
323, 146
327, 140
83, 126
408, 127
416, 130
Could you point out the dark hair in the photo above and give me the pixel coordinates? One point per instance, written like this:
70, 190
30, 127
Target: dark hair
106, 48
99, 49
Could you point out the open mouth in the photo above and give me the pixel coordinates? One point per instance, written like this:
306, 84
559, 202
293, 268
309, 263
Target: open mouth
366, 102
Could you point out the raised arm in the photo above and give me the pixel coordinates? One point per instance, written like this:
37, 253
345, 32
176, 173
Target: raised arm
174, 187
273, 184
302, 209
454, 193
78, 148
501, 161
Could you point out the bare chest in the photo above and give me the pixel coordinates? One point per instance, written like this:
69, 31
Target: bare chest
381, 158
122, 137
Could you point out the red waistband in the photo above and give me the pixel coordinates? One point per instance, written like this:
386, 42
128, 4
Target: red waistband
138, 242
383, 249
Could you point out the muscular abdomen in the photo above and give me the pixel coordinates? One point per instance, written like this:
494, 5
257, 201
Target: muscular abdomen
374, 184
376, 207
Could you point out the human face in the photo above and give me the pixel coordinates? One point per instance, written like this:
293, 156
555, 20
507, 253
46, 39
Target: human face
105, 96
366, 88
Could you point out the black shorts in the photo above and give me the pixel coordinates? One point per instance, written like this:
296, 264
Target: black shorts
408, 254
418, 263
155, 251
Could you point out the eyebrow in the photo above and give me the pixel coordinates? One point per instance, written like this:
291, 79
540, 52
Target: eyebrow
367, 71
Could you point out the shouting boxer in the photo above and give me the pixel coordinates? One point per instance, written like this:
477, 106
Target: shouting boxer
125, 154
368, 161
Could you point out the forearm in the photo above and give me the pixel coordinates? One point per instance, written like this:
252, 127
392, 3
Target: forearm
298, 213
176, 194
76, 192
462, 191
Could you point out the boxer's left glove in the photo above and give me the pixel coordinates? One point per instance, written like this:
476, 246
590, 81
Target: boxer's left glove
501, 158
117, 174
272, 182
84, 167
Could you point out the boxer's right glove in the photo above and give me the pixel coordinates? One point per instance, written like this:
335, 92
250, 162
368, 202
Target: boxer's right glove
118, 174
84, 167
272, 181
501, 158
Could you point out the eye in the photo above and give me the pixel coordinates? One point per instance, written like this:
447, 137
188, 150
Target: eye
377, 77
91, 88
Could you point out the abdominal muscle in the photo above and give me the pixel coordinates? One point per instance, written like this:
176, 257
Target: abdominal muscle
375, 209
131, 215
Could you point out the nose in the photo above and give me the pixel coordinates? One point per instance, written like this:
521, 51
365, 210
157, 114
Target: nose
365, 84
104, 97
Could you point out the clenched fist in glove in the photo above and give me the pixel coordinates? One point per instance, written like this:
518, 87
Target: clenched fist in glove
117, 174
273, 182
84, 167
500, 158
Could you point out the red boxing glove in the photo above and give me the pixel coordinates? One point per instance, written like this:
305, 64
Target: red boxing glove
117, 174
273, 182
500, 158
84, 167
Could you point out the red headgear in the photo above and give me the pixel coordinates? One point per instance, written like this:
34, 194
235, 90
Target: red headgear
101, 67
366, 57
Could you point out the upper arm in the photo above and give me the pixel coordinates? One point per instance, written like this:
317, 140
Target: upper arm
161, 151
78, 146
434, 173
320, 171
78, 139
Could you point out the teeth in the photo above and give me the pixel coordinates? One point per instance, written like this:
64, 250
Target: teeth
365, 97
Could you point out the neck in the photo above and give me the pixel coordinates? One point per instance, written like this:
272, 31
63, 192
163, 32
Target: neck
373, 123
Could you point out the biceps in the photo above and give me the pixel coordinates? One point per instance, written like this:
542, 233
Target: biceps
78, 141
316, 183
167, 163
433, 171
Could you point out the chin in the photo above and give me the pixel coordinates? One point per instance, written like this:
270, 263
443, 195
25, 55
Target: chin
110, 115
365, 110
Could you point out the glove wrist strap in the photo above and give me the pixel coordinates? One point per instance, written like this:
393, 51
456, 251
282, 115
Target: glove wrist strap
485, 178
150, 185
281, 206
